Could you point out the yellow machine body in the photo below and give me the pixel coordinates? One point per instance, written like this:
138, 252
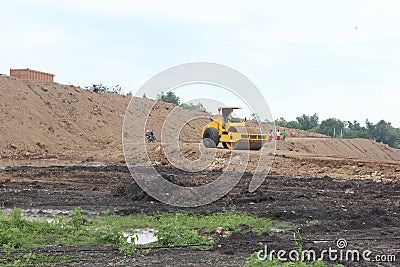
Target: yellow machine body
231, 132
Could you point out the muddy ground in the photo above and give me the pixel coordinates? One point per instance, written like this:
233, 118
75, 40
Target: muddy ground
364, 212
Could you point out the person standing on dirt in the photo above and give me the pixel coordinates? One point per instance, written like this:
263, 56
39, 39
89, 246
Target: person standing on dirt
150, 136
278, 135
283, 135
270, 135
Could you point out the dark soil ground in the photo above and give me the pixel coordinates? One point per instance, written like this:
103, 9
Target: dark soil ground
364, 212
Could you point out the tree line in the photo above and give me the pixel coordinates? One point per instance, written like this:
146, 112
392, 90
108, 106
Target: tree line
382, 131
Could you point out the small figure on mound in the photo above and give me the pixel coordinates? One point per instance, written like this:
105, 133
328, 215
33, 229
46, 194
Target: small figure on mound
283, 135
270, 135
278, 135
150, 136
95, 88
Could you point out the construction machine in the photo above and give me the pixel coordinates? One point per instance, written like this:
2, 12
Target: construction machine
231, 132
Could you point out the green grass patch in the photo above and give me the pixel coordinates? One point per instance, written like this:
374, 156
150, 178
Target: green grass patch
182, 228
173, 229
230, 220
17, 233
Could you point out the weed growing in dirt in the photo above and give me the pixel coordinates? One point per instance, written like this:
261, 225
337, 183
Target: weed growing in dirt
312, 222
173, 235
229, 220
77, 218
185, 228
16, 233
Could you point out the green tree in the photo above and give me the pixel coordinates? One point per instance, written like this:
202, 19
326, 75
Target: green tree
287, 124
308, 122
281, 122
293, 125
169, 97
331, 127
192, 106
383, 132
354, 130
267, 121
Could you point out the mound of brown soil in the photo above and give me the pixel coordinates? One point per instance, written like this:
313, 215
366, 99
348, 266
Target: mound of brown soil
44, 120
40, 119
295, 133
338, 148
49, 120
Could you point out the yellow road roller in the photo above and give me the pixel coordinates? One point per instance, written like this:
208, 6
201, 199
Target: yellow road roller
232, 132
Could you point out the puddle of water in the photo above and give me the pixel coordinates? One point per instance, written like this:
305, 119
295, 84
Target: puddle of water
318, 242
281, 227
141, 236
4, 163
277, 230
40, 214
98, 165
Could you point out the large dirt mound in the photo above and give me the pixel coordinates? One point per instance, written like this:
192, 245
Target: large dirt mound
338, 148
40, 119
44, 120
49, 120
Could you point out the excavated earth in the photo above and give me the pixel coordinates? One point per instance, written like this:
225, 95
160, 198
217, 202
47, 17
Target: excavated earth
364, 212
61, 148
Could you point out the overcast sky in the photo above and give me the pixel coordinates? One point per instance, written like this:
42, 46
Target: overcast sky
334, 58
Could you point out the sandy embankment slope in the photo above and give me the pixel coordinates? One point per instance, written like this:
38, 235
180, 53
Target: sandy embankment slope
49, 120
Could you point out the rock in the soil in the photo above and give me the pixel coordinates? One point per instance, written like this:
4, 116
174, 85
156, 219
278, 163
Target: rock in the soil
222, 232
13, 146
131, 191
